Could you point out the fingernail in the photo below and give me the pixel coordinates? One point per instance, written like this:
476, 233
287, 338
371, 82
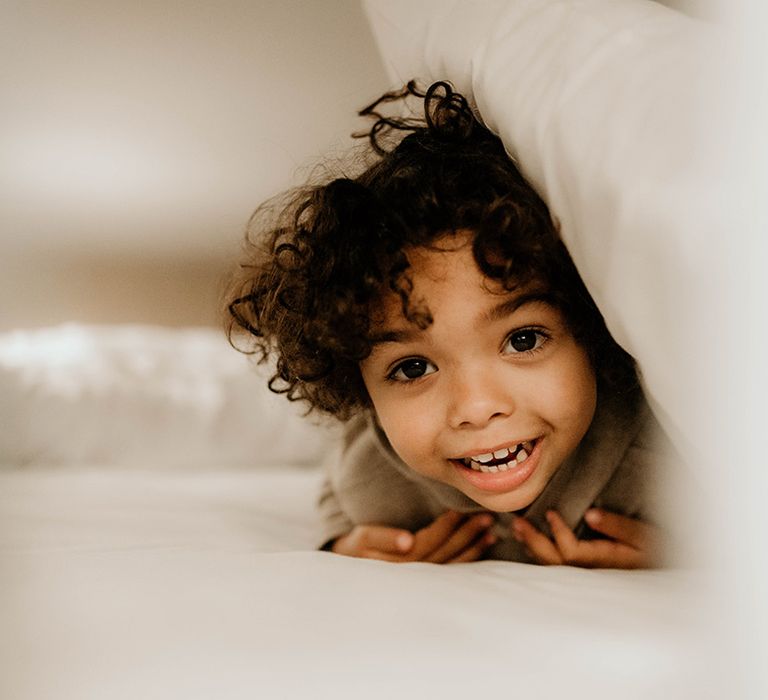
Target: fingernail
592, 516
404, 541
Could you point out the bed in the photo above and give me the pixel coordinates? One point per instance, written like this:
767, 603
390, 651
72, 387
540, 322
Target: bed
156, 502
133, 568
130, 584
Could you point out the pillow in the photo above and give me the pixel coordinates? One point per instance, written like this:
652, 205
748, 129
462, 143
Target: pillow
143, 396
601, 103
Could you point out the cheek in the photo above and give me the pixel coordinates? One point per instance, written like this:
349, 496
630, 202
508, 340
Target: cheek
575, 392
407, 427
565, 394
411, 441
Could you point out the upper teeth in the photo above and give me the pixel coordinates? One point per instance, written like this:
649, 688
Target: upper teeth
481, 462
503, 453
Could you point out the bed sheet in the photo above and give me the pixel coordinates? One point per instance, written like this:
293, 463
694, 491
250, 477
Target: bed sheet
162, 584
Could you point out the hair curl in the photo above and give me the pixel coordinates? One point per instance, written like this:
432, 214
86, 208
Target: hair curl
317, 269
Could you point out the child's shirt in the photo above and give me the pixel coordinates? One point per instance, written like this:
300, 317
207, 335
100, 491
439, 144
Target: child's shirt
614, 467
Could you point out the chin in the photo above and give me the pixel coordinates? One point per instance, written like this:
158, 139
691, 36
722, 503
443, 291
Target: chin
503, 503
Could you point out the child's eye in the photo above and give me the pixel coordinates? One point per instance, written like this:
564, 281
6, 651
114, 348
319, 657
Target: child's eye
525, 340
408, 370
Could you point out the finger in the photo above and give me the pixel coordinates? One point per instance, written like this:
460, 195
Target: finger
539, 546
463, 536
606, 554
476, 550
591, 553
430, 538
388, 539
634, 533
380, 538
566, 542
384, 556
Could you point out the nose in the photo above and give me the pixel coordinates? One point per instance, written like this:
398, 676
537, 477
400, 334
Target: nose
477, 397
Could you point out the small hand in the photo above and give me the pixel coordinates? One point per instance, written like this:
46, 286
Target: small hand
633, 544
450, 538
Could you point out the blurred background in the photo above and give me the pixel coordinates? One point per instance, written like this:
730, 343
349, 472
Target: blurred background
137, 138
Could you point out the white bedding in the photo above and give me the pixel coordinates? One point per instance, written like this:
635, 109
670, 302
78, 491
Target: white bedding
136, 561
608, 108
164, 584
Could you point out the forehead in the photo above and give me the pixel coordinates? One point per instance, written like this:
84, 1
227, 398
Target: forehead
451, 256
445, 278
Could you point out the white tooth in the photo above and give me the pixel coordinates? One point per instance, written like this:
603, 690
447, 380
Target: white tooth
493, 469
502, 453
503, 467
484, 457
522, 456
484, 468
475, 465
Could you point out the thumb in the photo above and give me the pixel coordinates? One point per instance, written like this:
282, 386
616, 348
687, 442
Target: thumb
388, 539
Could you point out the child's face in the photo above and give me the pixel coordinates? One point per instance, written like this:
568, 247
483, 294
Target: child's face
496, 371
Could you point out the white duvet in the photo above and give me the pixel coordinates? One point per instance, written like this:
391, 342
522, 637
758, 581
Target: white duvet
164, 584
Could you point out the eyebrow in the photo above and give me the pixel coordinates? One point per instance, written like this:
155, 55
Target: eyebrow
394, 336
509, 306
500, 311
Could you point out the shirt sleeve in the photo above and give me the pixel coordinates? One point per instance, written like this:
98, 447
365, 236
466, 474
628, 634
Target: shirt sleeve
364, 483
334, 522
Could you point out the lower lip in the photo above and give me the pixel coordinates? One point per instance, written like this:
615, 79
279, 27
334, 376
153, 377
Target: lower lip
500, 482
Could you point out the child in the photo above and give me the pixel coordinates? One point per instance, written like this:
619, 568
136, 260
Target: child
430, 303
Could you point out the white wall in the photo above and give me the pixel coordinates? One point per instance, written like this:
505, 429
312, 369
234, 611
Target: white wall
137, 138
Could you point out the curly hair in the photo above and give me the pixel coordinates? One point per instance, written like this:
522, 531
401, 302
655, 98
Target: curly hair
318, 269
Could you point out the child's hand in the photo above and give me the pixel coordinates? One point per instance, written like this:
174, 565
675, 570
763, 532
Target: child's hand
633, 544
451, 538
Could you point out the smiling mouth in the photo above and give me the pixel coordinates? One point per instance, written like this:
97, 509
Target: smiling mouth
500, 460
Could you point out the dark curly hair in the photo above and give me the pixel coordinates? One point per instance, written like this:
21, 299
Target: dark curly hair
318, 268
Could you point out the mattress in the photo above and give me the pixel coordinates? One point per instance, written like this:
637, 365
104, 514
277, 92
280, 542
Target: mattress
158, 583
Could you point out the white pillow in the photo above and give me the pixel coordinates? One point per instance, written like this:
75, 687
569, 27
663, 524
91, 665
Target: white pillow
143, 396
602, 104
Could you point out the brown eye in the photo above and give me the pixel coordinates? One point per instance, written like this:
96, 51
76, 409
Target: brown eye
408, 370
525, 340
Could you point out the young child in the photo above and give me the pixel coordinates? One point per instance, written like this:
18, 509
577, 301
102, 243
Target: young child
430, 304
